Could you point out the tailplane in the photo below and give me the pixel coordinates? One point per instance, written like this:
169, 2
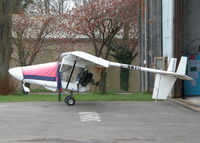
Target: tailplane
165, 81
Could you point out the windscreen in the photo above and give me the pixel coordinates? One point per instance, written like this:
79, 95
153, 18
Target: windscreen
66, 72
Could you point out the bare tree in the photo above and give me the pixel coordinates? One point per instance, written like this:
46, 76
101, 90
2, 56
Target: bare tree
7, 8
49, 7
101, 21
30, 33
38, 22
125, 49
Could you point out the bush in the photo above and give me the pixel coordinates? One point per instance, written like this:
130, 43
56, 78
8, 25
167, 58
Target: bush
7, 85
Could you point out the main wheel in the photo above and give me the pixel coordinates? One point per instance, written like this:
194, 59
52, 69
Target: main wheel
70, 101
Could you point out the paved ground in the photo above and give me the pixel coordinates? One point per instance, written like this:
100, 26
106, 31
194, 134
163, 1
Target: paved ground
98, 122
192, 103
194, 100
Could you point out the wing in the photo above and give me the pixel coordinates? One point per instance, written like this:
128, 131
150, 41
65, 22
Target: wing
82, 59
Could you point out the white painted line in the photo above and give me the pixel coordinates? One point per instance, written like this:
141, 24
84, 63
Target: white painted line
89, 116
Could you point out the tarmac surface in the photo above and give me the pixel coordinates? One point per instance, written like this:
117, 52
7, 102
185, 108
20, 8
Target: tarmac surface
192, 103
98, 122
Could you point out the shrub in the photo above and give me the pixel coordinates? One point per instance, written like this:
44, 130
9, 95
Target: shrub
7, 85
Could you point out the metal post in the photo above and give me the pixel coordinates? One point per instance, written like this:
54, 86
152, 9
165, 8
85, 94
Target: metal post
146, 43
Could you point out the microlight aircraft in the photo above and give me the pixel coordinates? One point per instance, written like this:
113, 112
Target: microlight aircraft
72, 74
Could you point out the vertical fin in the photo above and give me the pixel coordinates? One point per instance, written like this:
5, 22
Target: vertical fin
182, 66
172, 65
164, 82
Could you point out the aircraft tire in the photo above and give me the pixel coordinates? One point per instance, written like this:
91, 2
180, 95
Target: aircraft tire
70, 101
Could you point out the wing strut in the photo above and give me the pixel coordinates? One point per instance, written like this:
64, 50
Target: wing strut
71, 74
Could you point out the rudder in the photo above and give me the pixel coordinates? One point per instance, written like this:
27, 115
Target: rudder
182, 66
172, 65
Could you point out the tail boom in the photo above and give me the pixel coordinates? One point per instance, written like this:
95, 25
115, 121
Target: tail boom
165, 80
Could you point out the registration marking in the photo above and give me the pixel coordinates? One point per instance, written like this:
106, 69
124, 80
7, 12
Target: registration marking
89, 117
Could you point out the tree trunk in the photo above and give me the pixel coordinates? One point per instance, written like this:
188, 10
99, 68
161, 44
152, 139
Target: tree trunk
102, 82
124, 79
5, 37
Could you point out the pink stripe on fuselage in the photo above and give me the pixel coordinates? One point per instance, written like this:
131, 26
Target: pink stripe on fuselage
47, 69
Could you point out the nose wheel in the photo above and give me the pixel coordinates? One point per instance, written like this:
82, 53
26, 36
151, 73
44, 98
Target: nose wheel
69, 100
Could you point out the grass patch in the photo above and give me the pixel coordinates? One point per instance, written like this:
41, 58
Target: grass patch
28, 98
115, 97
80, 97
34, 90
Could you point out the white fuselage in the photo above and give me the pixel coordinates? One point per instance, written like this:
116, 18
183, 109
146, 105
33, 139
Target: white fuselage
51, 85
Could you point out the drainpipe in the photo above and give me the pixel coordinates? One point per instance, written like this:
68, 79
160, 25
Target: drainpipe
141, 41
146, 44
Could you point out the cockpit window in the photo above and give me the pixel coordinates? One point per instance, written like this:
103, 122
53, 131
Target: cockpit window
66, 72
